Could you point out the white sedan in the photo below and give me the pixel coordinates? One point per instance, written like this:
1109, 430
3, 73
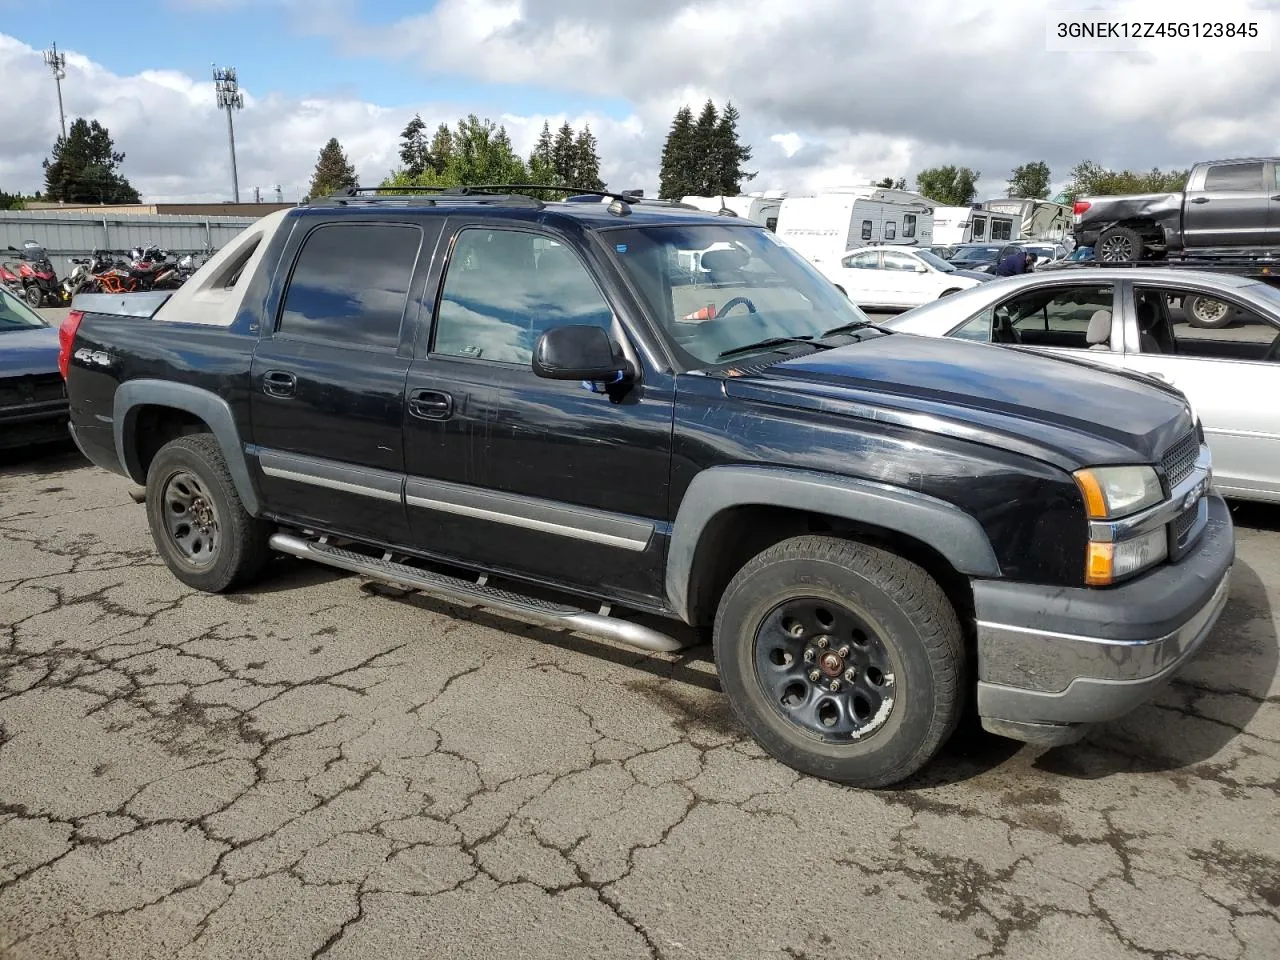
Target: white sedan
897, 277
1133, 319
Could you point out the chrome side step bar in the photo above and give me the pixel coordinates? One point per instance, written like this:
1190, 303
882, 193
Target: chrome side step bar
456, 589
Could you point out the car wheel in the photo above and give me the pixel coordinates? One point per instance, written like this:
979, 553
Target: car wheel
845, 661
1119, 245
1206, 312
201, 529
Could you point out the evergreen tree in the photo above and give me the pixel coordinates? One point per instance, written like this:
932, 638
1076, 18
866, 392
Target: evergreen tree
586, 173
888, 183
705, 161
563, 159
84, 167
441, 150
542, 164
333, 171
728, 155
415, 152
676, 176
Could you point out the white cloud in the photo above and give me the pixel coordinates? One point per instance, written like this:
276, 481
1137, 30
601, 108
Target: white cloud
829, 91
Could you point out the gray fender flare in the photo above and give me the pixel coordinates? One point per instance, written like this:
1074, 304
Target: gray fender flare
208, 406
958, 537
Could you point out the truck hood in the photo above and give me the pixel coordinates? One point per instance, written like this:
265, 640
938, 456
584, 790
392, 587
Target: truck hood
1070, 413
24, 352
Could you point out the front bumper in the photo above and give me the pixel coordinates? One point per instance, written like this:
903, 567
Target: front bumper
1053, 659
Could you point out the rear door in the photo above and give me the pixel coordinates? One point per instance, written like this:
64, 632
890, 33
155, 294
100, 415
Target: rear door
863, 278
327, 380
1231, 208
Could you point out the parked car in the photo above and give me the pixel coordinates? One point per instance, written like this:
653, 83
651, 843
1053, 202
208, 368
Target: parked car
897, 278
980, 257
33, 397
1077, 257
1226, 206
1134, 320
519, 404
1045, 251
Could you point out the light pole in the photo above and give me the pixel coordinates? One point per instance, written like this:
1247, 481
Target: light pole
57, 64
229, 98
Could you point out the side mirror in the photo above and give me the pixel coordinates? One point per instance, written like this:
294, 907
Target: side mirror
921, 268
579, 352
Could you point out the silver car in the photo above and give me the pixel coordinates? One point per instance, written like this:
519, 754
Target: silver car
1136, 319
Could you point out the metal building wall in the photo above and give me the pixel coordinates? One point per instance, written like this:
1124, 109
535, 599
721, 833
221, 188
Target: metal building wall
78, 234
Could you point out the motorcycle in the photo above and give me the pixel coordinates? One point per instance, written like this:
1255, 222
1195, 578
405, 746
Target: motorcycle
35, 274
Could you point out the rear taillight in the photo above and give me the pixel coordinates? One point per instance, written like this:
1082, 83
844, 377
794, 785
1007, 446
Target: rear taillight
66, 337
1079, 207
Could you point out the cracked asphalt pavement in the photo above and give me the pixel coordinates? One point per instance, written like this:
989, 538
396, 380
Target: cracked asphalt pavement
315, 768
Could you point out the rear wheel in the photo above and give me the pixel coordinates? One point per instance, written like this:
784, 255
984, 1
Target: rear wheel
1119, 245
201, 529
1206, 312
844, 661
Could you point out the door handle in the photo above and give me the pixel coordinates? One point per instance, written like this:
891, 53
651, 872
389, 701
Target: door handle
430, 404
1200, 200
279, 383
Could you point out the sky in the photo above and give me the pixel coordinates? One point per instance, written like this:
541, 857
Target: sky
831, 92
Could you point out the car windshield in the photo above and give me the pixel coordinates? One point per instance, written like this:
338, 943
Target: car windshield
935, 261
714, 289
16, 315
976, 254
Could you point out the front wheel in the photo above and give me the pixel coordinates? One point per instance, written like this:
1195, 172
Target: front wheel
34, 296
845, 661
201, 529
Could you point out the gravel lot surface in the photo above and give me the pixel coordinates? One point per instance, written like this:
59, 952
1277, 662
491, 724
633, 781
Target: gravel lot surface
315, 768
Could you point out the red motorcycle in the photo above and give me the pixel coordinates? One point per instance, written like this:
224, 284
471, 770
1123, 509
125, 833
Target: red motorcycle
34, 275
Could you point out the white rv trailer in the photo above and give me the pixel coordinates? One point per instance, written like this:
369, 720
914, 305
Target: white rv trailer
761, 208
974, 224
823, 227
1041, 219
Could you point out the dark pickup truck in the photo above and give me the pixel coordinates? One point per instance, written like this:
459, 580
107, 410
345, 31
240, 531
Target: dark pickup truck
1228, 208
615, 417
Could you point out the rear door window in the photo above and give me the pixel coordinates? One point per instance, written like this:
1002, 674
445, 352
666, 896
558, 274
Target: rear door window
1226, 177
350, 284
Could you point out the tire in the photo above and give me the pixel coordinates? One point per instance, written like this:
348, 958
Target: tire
230, 551
1206, 312
33, 296
885, 617
1119, 245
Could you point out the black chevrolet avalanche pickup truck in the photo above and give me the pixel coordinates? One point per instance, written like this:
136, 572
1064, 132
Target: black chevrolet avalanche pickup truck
619, 415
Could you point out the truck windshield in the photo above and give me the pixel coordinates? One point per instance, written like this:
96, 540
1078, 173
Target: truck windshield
713, 289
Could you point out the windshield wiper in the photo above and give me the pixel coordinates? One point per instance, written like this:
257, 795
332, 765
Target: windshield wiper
769, 342
847, 328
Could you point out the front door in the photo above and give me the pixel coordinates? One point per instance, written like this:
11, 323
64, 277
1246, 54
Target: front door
906, 285
507, 470
1229, 374
327, 380
1232, 209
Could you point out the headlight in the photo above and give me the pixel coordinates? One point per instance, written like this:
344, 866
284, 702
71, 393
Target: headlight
1109, 562
1113, 492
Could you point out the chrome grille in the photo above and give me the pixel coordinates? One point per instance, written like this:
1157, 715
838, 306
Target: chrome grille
1181, 459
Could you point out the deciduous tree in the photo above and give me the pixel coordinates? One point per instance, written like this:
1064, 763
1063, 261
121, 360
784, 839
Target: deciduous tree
949, 186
